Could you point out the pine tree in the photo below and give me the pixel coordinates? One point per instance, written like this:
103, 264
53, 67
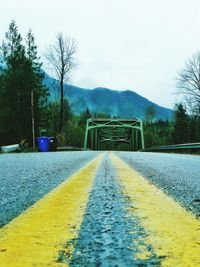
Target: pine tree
83, 118
21, 77
180, 133
39, 93
14, 92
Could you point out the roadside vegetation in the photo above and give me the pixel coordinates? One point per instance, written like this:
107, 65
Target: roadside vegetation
26, 112
185, 128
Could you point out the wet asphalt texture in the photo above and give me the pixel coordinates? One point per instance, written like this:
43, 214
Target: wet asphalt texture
26, 177
177, 175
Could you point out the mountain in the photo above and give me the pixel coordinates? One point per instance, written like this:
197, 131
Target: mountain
125, 104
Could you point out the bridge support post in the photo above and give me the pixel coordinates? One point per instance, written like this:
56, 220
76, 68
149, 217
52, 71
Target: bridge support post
95, 139
142, 134
86, 137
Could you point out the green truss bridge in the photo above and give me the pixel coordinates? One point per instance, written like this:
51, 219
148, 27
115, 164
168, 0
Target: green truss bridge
111, 134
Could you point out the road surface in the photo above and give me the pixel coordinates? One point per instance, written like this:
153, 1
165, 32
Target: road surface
99, 209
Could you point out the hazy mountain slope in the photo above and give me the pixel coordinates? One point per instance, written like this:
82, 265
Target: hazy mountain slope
125, 104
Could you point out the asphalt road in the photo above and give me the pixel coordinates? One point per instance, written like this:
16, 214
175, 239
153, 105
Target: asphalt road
26, 177
117, 225
176, 174
106, 237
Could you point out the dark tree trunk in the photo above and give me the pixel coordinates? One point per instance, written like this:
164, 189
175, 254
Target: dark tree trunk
61, 105
33, 118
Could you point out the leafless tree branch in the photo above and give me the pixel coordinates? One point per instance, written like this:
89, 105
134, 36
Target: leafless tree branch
61, 57
188, 81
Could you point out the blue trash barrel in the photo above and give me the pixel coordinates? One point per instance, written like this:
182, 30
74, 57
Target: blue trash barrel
43, 143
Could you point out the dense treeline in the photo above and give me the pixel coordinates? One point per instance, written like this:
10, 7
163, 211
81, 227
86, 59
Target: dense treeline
73, 127
158, 133
183, 129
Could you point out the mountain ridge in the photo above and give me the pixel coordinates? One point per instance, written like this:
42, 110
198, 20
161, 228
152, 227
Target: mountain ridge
116, 103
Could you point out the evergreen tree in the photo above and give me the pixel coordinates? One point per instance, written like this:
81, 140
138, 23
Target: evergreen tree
150, 114
39, 93
14, 93
21, 76
180, 132
83, 118
194, 128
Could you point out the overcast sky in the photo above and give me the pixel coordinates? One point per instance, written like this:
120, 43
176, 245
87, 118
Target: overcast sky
138, 45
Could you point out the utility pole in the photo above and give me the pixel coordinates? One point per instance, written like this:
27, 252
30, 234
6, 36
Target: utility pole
33, 118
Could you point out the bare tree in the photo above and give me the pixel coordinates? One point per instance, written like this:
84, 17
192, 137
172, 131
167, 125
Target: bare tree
188, 82
61, 57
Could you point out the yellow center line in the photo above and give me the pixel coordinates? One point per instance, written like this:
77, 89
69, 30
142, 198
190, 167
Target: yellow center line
36, 236
173, 232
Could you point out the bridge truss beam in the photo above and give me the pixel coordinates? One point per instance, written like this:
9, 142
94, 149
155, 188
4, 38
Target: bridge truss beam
114, 131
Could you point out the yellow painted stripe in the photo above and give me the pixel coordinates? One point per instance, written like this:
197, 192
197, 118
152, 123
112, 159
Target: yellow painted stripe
35, 237
173, 232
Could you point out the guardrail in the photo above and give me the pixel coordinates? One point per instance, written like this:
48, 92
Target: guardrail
189, 146
10, 148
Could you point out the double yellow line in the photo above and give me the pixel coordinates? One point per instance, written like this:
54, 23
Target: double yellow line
173, 232
37, 235
46, 233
